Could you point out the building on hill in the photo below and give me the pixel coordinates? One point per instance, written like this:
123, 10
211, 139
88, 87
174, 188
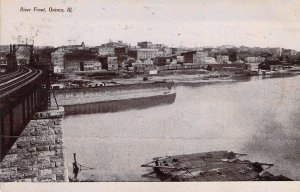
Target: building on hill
109, 63
254, 59
102, 51
143, 54
80, 61
199, 57
3, 60
271, 65
162, 61
222, 59
188, 56
144, 44
57, 56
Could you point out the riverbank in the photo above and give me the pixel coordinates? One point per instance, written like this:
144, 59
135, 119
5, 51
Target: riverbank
188, 76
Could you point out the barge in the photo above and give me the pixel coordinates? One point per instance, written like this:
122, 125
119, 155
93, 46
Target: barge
114, 98
212, 166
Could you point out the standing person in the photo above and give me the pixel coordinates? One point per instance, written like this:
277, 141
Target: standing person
75, 167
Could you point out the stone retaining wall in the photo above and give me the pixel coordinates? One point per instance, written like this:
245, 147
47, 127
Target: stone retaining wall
37, 155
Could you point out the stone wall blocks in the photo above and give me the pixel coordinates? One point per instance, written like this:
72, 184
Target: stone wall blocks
11, 157
5, 177
51, 132
26, 139
37, 155
58, 141
31, 149
23, 144
60, 177
42, 148
19, 163
5, 164
25, 180
45, 166
58, 131
47, 178
59, 164
43, 160
31, 174
46, 153
24, 169
45, 172
9, 170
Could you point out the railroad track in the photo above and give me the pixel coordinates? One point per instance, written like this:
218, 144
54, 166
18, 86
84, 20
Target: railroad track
9, 76
18, 82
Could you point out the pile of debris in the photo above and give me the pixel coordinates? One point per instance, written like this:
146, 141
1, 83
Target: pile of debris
212, 166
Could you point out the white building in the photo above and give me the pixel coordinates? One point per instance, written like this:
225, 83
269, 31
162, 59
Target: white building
254, 59
199, 57
102, 51
148, 53
210, 60
58, 69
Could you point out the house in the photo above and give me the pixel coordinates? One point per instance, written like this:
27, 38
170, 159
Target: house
254, 59
147, 53
276, 52
143, 67
148, 61
180, 59
43, 57
252, 66
199, 57
161, 61
210, 60
82, 60
271, 64
156, 46
57, 55
144, 44
58, 69
223, 59
109, 63
3, 60
188, 56
166, 51
202, 57
102, 51
132, 53
120, 51
22, 55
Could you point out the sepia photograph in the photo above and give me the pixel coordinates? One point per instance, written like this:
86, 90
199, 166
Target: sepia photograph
140, 91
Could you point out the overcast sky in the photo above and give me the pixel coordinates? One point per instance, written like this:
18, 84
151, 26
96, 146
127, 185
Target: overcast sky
263, 23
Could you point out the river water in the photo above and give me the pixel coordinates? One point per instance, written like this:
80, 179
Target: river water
259, 117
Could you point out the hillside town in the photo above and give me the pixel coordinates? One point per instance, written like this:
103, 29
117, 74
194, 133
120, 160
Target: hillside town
119, 59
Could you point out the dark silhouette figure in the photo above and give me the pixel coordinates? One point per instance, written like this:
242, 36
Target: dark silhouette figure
75, 167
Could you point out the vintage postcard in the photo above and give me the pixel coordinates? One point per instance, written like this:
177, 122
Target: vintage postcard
194, 94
